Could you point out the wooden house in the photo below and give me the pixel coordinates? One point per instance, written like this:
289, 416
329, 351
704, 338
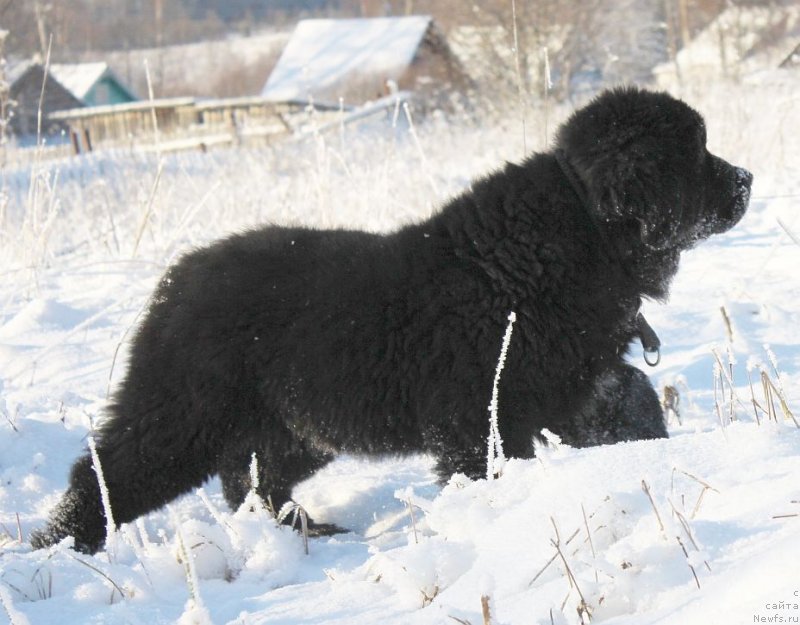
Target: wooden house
26, 91
357, 60
95, 84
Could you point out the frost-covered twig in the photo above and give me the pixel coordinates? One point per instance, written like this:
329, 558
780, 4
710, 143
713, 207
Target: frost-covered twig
115, 587
725, 374
254, 481
218, 517
298, 512
778, 388
496, 459
111, 527
195, 611
15, 617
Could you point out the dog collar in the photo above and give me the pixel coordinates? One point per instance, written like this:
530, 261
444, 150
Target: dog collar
651, 344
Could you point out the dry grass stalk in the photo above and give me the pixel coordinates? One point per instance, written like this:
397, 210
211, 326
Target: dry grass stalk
40, 108
10, 421
583, 607
756, 405
485, 611
567, 542
298, 512
718, 388
428, 599
159, 169
669, 403
725, 375
728, 326
646, 489
459, 620
689, 564
552, 559
788, 230
770, 385
418, 144
5, 535
591, 543
790, 515
187, 559
688, 531
115, 587
148, 207
706, 487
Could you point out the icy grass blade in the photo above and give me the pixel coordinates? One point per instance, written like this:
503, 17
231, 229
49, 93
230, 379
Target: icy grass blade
496, 459
15, 617
195, 612
111, 527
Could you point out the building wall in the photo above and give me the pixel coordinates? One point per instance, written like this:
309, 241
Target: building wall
26, 92
107, 91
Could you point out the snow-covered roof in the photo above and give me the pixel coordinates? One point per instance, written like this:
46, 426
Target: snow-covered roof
79, 78
16, 68
323, 52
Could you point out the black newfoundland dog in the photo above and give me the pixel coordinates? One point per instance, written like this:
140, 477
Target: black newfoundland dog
298, 344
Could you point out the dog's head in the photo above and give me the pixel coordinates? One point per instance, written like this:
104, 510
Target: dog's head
643, 160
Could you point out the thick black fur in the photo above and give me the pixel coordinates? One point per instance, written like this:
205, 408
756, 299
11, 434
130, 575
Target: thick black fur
298, 344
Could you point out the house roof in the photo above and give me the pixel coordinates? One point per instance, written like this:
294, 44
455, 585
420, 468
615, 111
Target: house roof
79, 78
321, 52
15, 69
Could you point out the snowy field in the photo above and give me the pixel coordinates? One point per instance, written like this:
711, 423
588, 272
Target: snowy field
698, 529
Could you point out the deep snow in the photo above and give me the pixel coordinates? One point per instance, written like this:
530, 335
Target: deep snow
728, 492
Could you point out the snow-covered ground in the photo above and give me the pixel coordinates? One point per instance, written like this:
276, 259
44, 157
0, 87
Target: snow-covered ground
700, 528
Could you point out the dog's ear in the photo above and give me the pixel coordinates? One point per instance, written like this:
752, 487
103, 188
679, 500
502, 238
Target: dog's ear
629, 154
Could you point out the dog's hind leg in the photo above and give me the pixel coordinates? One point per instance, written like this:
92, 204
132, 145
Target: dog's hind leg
282, 462
139, 479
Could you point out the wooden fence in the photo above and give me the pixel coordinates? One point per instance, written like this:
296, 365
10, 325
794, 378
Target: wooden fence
180, 123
